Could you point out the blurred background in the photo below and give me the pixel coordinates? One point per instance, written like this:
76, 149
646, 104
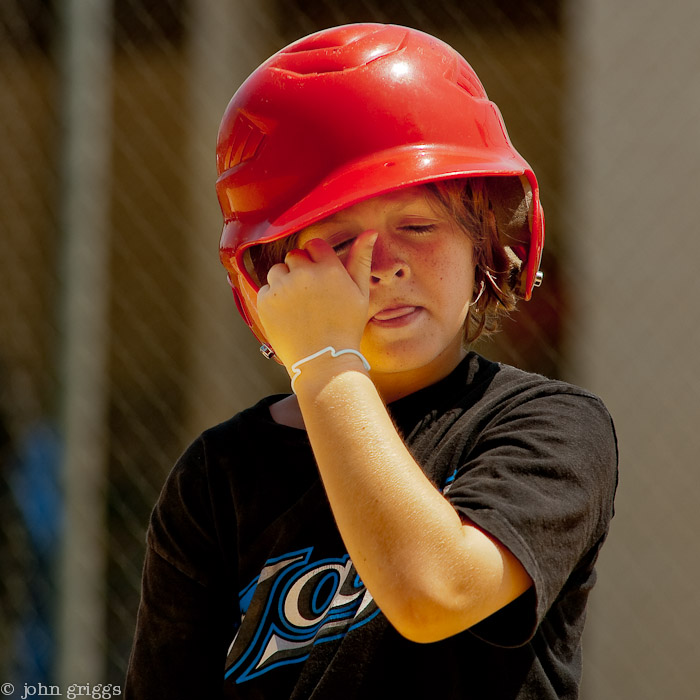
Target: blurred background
120, 342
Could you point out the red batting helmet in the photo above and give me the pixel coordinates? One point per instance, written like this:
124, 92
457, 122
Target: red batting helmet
349, 113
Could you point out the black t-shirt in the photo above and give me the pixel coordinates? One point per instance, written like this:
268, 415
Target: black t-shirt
248, 591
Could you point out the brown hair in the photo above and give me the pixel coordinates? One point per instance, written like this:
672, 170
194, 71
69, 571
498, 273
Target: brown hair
474, 204
469, 203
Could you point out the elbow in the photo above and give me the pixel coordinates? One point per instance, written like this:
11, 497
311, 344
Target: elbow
425, 620
420, 634
436, 613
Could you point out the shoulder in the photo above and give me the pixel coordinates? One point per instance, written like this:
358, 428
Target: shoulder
504, 409
232, 457
552, 428
508, 387
243, 432
515, 380
257, 417
482, 399
207, 461
560, 409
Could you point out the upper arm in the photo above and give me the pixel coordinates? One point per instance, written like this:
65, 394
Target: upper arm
541, 483
503, 577
483, 578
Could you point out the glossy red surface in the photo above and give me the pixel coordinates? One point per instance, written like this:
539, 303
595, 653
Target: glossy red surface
346, 114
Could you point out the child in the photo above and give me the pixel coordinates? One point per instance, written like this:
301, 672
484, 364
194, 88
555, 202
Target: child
413, 520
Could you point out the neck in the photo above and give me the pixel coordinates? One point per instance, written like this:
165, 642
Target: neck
393, 386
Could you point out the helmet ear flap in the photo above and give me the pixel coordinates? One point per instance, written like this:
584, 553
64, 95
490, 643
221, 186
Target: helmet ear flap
240, 305
512, 201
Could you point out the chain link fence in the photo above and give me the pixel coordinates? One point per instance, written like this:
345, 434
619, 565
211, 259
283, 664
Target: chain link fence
119, 341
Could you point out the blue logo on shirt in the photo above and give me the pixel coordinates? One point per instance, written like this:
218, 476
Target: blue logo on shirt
293, 605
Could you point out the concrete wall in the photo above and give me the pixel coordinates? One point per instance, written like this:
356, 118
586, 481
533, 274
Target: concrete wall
634, 177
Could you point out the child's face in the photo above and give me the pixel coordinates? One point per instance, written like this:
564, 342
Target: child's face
421, 283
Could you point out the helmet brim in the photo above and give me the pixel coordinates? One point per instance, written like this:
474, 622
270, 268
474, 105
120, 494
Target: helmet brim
379, 173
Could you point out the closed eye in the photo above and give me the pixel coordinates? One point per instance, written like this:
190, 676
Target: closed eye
343, 247
419, 228
412, 229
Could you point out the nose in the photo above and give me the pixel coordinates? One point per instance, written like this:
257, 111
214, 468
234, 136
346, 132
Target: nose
388, 260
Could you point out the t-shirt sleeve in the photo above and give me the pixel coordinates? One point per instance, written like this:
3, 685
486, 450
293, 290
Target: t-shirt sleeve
541, 479
182, 529
183, 624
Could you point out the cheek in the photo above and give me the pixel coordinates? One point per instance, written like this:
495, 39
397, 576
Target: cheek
462, 258
452, 271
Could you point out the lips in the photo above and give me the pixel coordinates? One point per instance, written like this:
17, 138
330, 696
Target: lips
394, 313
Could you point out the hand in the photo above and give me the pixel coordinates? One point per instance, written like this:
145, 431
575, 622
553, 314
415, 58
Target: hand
312, 300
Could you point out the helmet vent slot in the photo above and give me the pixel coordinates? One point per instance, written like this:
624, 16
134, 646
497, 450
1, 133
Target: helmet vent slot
467, 80
246, 138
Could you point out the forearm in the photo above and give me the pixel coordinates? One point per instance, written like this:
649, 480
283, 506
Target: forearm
431, 575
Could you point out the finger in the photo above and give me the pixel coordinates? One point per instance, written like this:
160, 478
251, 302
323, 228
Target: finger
318, 250
295, 256
276, 272
359, 260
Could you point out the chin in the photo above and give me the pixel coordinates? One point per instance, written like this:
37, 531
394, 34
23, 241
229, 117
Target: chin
429, 352
397, 360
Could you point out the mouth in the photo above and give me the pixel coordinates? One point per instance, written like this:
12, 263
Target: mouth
395, 316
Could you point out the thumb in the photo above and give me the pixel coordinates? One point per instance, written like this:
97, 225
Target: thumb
359, 261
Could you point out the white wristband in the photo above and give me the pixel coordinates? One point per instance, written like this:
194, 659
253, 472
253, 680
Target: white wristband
334, 353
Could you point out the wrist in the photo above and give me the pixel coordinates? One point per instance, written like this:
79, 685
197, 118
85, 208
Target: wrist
325, 364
